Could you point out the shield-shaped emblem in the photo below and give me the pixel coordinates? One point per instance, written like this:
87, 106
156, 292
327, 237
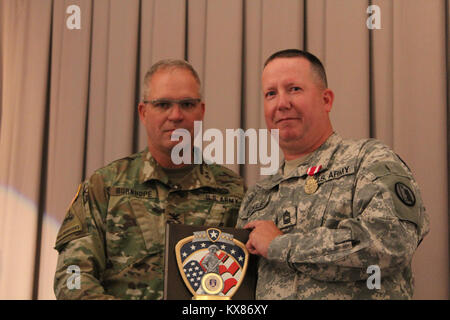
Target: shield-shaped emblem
212, 263
213, 234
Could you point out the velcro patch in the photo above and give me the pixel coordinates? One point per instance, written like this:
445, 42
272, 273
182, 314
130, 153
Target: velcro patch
70, 225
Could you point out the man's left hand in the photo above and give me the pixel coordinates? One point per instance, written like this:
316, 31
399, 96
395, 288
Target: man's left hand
261, 236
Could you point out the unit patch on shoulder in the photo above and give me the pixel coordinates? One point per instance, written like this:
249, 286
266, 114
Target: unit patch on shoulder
405, 194
398, 183
73, 226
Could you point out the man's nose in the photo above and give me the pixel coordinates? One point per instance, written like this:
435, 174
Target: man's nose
175, 113
283, 101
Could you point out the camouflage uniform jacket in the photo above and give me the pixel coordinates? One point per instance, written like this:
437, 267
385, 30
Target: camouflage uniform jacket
114, 230
366, 211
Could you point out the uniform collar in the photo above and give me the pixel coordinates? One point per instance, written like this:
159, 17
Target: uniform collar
200, 176
320, 157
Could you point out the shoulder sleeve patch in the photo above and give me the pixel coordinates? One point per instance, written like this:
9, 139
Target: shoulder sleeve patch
400, 186
405, 194
74, 225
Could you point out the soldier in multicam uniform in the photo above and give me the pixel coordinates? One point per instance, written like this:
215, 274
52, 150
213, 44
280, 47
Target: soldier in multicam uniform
335, 207
114, 230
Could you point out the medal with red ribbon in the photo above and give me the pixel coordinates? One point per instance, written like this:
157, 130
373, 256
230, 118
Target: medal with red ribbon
311, 182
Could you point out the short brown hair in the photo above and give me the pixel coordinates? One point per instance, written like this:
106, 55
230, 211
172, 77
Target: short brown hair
316, 65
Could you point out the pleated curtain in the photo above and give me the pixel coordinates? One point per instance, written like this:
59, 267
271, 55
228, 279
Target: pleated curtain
69, 100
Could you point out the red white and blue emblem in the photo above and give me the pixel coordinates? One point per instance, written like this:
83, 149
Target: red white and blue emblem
212, 263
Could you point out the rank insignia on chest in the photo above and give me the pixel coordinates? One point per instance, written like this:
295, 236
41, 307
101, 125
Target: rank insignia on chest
286, 217
311, 184
212, 264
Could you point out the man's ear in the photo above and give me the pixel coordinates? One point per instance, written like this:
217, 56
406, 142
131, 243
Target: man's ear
328, 98
203, 109
142, 110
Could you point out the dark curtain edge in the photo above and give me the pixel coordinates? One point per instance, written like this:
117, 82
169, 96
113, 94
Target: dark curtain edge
372, 120
88, 96
135, 142
447, 62
243, 77
44, 166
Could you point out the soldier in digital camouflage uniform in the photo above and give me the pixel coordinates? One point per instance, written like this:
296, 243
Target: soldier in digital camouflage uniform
335, 207
114, 230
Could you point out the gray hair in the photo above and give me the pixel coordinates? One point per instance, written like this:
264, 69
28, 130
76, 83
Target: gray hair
168, 64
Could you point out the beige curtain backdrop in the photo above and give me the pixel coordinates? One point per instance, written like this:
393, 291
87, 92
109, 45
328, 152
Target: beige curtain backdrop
68, 100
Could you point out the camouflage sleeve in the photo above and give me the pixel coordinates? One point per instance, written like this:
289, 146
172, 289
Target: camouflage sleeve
388, 223
80, 244
248, 197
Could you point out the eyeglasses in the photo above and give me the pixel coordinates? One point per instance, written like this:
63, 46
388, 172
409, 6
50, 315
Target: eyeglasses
166, 104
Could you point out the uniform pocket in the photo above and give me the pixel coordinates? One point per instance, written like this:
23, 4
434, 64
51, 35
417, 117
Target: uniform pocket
132, 233
311, 209
222, 214
151, 226
259, 203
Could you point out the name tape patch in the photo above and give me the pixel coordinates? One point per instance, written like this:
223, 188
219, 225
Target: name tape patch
121, 191
335, 174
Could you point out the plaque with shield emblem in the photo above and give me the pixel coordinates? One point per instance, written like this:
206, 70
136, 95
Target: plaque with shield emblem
212, 264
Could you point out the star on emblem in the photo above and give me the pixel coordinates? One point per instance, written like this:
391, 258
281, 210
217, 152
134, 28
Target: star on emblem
213, 234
